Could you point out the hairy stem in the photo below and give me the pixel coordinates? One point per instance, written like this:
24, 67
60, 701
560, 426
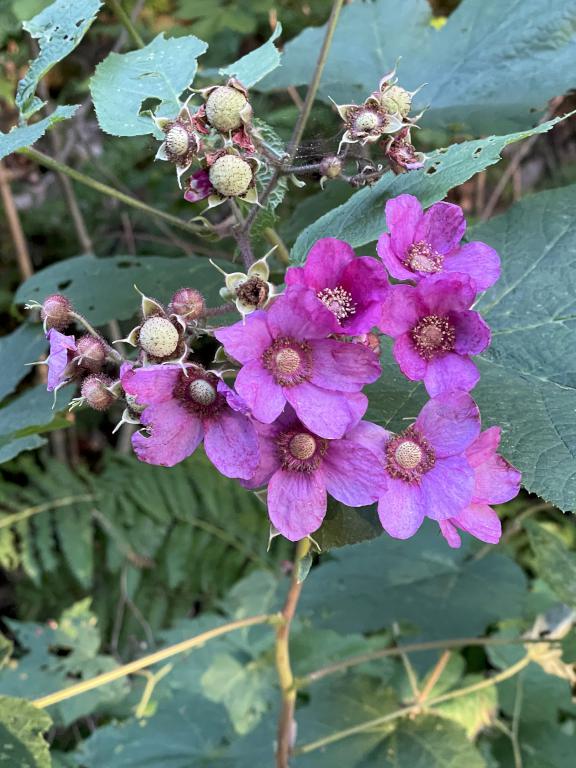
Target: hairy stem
150, 660
116, 356
283, 666
124, 19
379, 721
88, 181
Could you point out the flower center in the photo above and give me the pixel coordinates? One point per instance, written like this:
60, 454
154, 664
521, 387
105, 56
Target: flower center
197, 391
366, 120
338, 301
177, 140
409, 456
421, 257
253, 292
300, 451
201, 391
433, 336
158, 337
289, 361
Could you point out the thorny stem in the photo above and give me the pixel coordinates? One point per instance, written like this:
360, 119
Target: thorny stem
88, 181
283, 666
150, 660
123, 17
379, 721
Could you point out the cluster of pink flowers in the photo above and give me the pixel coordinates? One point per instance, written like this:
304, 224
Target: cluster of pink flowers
293, 422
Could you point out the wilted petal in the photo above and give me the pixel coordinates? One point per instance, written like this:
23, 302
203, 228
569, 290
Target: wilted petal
401, 509
450, 422
296, 502
231, 444
62, 350
174, 434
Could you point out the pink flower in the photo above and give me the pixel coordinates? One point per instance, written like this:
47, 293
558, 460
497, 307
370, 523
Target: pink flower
198, 186
428, 473
62, 353
435, 332
182, 408
351, 288
287, 357
495, 482
422, 244
302, 468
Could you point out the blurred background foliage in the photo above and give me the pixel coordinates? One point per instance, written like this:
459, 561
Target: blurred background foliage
104, 558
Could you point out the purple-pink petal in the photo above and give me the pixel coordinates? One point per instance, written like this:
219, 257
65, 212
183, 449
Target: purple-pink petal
324, 265
246, 340
401, 509
472, 332
442, 226
174, 434
393, 264
446, 293
450, 422
401, 310
297, 502
496, 481
353, 475
403, 216
412, 365
339, 365
231, 444
447, 487
262, 394
481, 521
299, 315
325, 412
478, 260
449, 373
62, 349
450, 533
151, 385
269, 459
370, 436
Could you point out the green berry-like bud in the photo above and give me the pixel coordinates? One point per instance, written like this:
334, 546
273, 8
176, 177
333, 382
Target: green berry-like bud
395, 99
158, 337
231, 176
223, 108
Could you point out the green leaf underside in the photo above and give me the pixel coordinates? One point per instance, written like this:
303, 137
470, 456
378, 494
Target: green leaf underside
59, 28
360, 220
250, 69
555, 563
470, 77
25, 135
160, 72
103, 289
24, 345
21, 727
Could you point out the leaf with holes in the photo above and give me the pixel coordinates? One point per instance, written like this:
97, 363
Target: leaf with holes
21, 734
361, 219
491, 67
58, 30
152, 78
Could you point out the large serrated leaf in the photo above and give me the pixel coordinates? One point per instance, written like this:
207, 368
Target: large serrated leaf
250, 69
58, 30
158, 73
491, 67
361, 219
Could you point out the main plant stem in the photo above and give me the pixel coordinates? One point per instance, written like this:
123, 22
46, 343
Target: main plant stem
283, 666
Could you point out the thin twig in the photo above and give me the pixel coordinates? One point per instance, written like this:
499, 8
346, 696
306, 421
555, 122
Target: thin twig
24, 514
88, 181
20, 245
286, 728
124, 19
434, 677
150, 660
516, 723
380, 721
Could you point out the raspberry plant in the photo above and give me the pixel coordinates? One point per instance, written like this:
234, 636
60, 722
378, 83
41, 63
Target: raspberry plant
382, 370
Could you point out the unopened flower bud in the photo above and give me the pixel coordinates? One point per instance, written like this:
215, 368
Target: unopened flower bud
55, 312
331, 167
159, 337
188, 303
224, 108
91, 352
231, 176
396, 100
96, 393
